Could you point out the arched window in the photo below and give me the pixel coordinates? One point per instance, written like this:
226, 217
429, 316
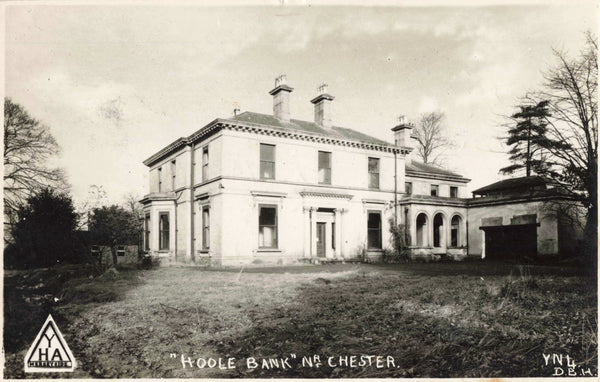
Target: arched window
421, 230
438, 230
455, 231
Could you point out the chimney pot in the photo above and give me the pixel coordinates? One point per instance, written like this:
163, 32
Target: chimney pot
280, 80
322, 89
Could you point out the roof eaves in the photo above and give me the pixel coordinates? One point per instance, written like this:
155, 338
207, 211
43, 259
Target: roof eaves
202, 131
299, 132
169, 149
165, 151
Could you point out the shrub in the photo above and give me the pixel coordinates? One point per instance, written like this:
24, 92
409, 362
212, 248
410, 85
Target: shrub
44, 234
399, 243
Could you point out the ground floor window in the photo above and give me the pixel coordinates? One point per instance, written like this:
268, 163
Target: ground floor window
422, 238
163, 228
438, 230
333, 235
267, 227
374, 230
205, 227
455, 231
147, 232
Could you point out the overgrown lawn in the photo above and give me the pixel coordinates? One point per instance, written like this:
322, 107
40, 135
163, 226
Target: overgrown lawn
434, 320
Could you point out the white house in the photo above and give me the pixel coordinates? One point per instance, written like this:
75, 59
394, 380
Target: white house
256, 188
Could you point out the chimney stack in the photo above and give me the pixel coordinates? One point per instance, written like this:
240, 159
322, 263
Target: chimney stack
322, 104
281, 99
403, 132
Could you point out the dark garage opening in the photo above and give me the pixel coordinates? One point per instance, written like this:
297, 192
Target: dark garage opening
511, 243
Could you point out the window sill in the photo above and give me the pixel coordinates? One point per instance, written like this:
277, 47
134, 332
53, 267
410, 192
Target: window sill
374, 249
268, 250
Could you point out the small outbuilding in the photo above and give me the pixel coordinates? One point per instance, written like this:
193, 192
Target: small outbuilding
521, 218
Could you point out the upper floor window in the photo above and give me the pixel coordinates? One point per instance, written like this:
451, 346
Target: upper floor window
453, 192
408, 188
205, 163
324, 167
373, 172
435, 190
163, 231
173, 174
267, 161
267, 227
160, 179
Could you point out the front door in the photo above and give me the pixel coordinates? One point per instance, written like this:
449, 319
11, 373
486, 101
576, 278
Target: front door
321, 239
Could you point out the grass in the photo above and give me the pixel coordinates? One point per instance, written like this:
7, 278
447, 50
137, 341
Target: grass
435, 320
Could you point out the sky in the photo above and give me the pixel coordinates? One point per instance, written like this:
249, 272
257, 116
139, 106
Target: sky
115, 83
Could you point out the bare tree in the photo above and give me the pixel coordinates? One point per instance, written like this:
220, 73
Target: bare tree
131, 203
571, 138
135, 208
431, 136
28, 145
96, 198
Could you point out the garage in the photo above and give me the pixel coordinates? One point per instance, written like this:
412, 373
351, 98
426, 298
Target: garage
514, 242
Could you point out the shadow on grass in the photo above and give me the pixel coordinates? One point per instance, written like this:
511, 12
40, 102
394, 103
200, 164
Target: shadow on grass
30, 296
455, 327
482, 268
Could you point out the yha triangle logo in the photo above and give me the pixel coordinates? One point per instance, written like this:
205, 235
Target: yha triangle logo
49, 351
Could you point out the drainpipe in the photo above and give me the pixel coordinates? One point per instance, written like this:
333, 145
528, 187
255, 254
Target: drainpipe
175, 228
467, 234
192, 207
310, 215
395, 191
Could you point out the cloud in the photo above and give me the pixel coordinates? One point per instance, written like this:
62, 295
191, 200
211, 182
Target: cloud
117, 83
112, 111
428, 104
104, 130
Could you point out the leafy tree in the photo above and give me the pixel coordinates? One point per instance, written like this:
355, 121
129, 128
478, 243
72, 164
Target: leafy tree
112, 226
526, 138
430, 136
571, 138
44, 232
28, 145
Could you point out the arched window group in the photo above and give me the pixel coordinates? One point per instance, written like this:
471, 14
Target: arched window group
439, 231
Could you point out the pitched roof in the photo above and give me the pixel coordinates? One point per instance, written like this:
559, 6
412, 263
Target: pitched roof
412, 165
521, 183
425, 170
307, 127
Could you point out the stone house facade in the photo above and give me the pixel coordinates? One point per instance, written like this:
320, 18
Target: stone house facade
256, 188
